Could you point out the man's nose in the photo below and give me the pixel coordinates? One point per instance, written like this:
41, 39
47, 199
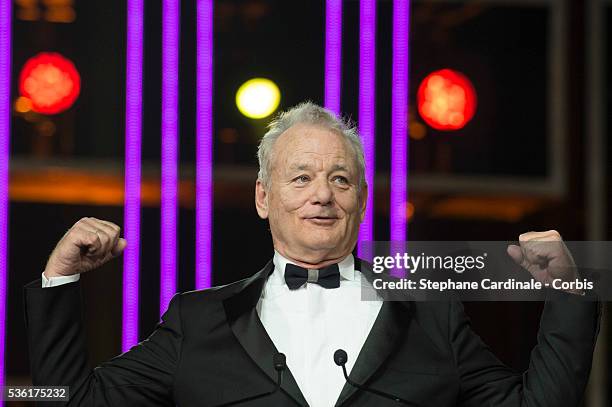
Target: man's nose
322, 193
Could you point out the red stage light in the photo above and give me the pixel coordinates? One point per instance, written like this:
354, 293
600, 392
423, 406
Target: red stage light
50, 81
446, 100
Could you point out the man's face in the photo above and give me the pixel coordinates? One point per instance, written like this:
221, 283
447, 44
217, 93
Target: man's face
313, 203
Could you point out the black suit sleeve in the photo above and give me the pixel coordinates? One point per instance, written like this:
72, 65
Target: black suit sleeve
560, 362
143, 376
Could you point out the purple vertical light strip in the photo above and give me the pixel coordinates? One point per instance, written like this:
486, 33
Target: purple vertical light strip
133, 143
367, 107
5, 136
204, 143
333, 55
169, 150
399, 120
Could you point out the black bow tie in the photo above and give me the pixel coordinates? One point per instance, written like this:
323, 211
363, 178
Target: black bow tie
327, 277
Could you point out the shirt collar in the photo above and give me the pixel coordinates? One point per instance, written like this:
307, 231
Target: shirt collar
346, 267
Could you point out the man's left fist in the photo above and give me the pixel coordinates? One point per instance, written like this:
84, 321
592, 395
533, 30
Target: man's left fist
545, 256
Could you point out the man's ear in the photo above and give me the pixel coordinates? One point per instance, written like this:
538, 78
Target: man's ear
363, 199
261, 200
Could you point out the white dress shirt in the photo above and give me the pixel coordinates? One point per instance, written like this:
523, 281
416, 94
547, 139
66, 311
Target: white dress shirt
308, 325
55, 281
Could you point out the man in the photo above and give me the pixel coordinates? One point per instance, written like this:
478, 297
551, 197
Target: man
216, 346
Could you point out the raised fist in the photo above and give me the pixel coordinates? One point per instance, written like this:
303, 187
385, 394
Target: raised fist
545, 256
87, 245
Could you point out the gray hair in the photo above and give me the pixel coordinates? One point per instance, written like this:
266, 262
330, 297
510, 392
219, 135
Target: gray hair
307, 113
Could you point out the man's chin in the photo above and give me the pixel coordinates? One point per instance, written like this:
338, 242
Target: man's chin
316, 243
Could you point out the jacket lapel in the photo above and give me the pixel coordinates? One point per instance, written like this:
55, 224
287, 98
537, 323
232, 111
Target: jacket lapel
247, 327
385, 335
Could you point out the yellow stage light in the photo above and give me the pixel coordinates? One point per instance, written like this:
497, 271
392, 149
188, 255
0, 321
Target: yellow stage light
23, 104
258, 98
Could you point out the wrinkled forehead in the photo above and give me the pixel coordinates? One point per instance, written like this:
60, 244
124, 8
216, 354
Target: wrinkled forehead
307, 145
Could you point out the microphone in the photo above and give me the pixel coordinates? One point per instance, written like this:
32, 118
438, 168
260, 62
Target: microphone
280, 364
279, 360
340, 358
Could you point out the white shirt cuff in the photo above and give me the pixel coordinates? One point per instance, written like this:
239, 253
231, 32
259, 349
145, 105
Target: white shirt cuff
55, 281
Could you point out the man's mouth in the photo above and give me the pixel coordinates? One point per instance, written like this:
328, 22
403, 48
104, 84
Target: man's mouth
322, 220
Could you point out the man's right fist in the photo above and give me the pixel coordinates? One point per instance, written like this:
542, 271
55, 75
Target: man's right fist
87, 245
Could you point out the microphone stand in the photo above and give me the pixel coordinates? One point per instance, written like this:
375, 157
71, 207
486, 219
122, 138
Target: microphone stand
340, 358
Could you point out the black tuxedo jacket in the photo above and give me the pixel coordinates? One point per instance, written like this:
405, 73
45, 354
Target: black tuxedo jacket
211, 348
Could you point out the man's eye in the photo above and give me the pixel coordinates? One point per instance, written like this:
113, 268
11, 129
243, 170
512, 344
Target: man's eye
302, 179
341, 180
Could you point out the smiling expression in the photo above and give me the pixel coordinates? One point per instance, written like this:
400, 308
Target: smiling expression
313, 202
